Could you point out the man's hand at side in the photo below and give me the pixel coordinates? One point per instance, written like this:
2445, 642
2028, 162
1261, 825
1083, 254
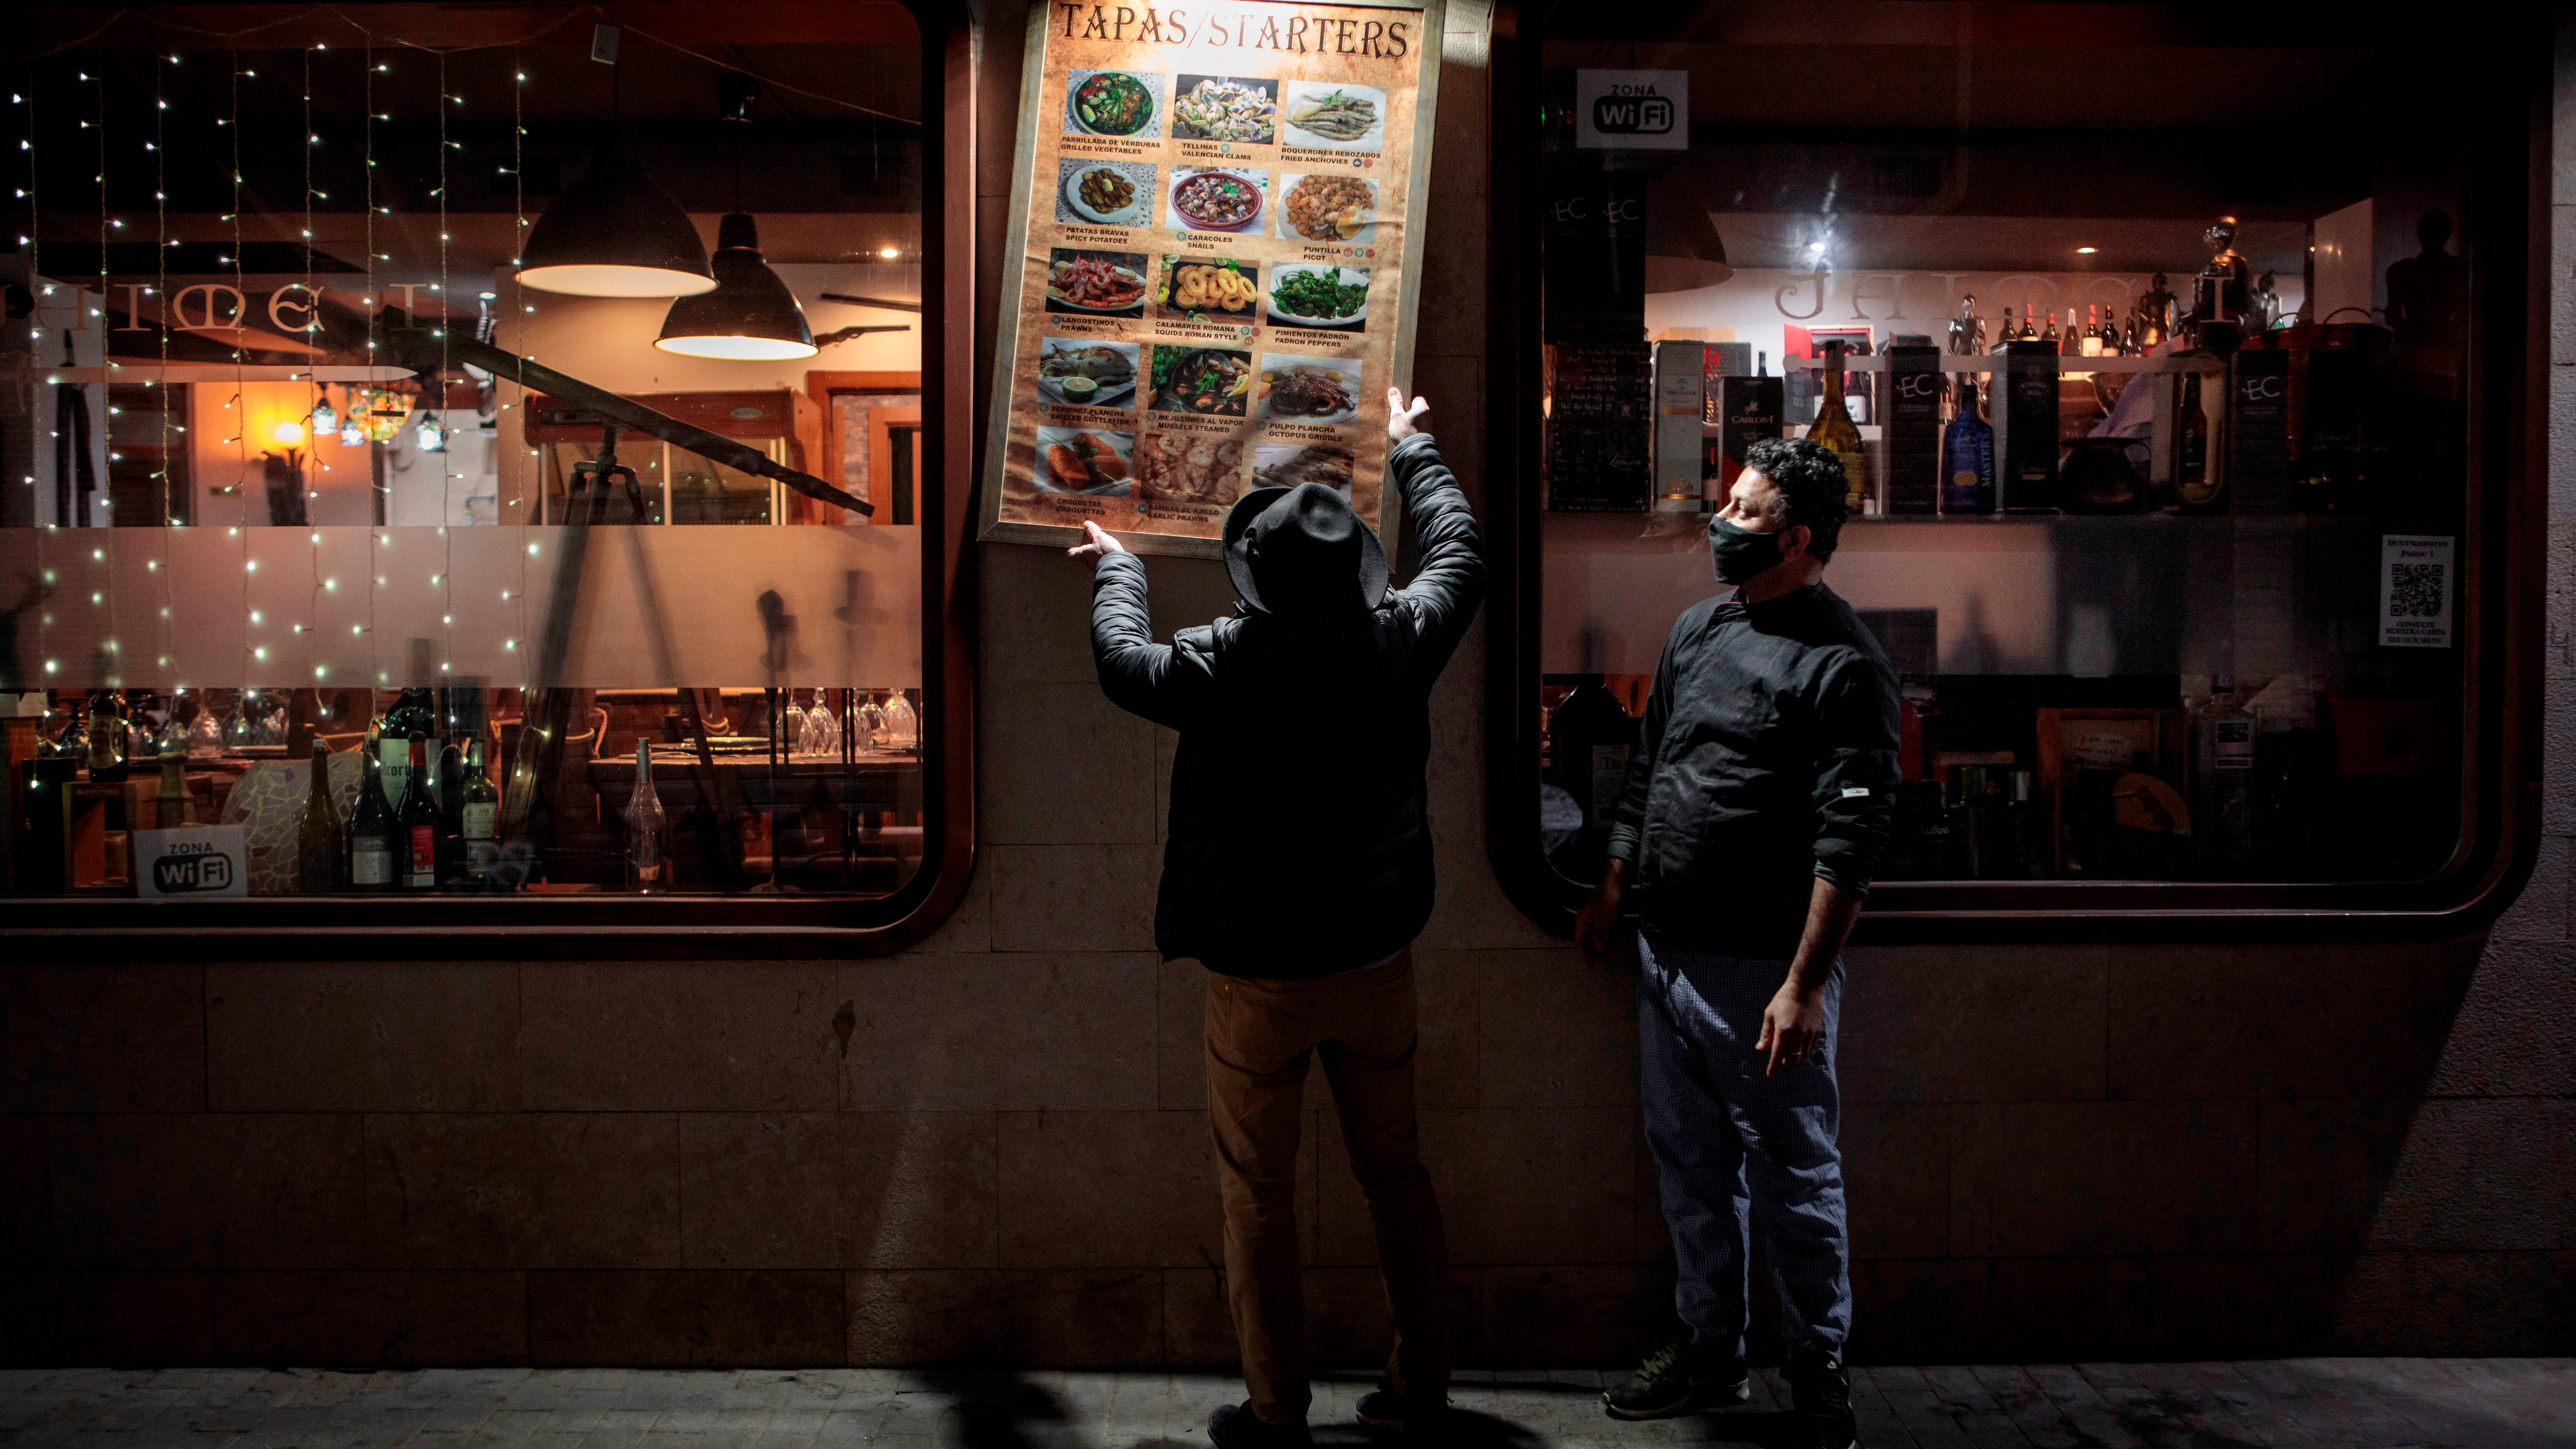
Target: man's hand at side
1792, 1025
1097, 543
1596, 926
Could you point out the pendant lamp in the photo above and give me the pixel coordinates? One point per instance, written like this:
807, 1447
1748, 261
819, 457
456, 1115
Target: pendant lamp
615, 233
751, 316
1683, 249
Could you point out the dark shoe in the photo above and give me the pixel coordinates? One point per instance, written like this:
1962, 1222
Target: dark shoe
1387, 1409
1820, 1387
1678, 1378
1235, 1426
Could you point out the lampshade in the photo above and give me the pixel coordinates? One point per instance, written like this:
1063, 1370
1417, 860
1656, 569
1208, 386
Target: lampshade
616, 233
751, 316
1683, 250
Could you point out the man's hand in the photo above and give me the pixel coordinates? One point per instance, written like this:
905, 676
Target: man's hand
1403, 422
1096, 544
1792, 1026
1596, 926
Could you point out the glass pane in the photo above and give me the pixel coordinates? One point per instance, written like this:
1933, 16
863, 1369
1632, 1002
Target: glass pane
412, 535
2156, 427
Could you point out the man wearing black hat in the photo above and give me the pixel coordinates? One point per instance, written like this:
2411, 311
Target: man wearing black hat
1297, 869
1754, 812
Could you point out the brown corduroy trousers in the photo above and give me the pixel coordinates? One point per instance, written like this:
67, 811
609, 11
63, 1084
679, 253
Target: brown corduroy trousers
1261, 1036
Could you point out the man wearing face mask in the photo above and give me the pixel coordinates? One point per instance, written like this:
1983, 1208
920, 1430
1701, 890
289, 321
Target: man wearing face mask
1754, 812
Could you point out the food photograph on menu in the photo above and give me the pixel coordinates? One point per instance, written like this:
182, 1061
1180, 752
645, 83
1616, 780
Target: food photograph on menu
1112, 103
1192, 467
1335, 117
1086, 462
1200, 289
1327, 207
1319, 295
1216, 198
1093, 192
1310, 389
1098, 283
1218, 268
1222, 108
1084, 373
1208, 382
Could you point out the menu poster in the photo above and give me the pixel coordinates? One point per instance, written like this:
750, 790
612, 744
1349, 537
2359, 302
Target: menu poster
1217, 262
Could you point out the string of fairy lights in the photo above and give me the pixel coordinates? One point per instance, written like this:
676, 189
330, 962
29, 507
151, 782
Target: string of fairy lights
193, 497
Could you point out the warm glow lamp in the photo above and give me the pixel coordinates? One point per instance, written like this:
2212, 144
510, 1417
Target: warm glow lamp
616, 233
288, 434
751, 316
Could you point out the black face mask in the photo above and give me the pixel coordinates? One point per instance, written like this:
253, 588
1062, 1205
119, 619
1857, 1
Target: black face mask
1739, 552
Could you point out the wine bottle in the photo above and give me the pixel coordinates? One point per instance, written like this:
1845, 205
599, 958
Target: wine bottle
317, 834
417, 819
372, 830
480, 820
106, 738
414, 712
648, 830
170, 805
451, 815
1835, 430
1968, 457
2200, 490
2050, 334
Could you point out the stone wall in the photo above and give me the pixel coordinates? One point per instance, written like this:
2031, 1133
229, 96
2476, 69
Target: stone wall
991, 1148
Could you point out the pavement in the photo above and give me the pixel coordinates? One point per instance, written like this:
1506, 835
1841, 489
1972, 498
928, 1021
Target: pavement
2347, 1403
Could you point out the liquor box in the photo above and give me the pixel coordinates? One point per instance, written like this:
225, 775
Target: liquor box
2025, 421
1681, 397
2257, 438
1910, 438
1748, 413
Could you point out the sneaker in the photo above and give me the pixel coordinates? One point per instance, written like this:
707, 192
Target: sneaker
1678, 1378
1387, 1409
1235, 1426
1820, 1387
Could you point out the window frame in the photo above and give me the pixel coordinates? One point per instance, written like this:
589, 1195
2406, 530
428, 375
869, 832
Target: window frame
2502, 604
572, 927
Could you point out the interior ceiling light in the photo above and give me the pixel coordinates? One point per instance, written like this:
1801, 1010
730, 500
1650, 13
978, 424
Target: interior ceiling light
751, 316
616, 233
2086, 251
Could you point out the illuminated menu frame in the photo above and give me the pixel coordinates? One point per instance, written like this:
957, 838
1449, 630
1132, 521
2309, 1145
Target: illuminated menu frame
1095, 415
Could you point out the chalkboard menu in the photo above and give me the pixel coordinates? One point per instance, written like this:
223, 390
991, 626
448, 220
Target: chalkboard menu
1600, 426
1217, 262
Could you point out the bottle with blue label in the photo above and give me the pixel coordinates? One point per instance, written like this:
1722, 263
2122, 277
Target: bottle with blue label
1968, 457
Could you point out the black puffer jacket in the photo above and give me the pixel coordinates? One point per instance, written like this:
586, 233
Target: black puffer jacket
1299, 845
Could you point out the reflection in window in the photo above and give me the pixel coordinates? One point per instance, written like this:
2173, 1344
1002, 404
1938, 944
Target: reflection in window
2159, 441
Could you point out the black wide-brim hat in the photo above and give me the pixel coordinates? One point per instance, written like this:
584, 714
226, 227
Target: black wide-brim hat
1290, 551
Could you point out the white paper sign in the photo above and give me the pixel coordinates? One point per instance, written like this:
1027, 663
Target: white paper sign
1632, 110
191, 861
2415, 591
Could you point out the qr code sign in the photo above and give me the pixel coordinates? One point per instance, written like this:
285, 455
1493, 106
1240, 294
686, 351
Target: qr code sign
2417, 591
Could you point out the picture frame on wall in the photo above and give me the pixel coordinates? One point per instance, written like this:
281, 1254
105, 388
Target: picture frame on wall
2117, 783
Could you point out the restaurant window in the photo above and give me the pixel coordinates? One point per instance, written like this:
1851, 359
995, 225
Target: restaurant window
2176, 369
465, 466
